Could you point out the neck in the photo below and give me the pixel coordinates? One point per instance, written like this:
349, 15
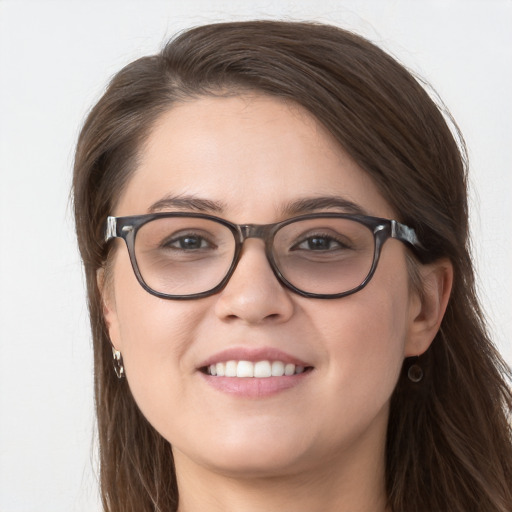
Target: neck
355, 486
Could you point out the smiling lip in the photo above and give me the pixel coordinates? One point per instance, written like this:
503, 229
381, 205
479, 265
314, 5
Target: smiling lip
253, 387
254, 355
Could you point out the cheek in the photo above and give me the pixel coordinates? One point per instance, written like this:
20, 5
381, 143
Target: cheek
155, 340
364, 335
147, 324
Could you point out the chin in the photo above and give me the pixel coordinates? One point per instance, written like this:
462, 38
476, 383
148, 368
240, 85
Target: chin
256, 464
251, 456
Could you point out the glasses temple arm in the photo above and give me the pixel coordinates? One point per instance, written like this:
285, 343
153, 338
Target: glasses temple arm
405, 234
111, 228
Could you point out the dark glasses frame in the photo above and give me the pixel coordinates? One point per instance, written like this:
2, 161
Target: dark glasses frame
382, 229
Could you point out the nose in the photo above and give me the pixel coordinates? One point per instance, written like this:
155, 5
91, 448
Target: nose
253, 293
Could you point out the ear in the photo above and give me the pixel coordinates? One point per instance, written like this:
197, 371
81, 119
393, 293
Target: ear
105, 287
428, 305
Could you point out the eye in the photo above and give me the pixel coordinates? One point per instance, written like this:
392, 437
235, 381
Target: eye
319, 242
187, 242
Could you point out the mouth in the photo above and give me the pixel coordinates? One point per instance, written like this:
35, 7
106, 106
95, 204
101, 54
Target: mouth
254, 373
254, 369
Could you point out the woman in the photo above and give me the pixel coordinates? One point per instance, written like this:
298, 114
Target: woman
291, 314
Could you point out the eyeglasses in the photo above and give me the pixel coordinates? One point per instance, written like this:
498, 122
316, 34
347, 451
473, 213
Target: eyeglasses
192, 255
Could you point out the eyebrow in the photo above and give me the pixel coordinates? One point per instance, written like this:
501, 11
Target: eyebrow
297, 207
311, 204
183, 202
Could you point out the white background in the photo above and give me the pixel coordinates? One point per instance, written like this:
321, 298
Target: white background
55, 59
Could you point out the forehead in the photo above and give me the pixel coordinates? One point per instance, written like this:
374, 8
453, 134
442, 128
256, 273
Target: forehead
251, 154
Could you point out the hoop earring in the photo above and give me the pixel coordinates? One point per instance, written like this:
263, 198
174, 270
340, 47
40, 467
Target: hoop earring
415, 373
118, 363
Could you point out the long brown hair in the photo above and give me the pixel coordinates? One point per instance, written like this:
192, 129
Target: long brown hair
449, 443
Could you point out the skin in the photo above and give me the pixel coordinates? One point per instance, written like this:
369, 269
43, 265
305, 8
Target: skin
318, 445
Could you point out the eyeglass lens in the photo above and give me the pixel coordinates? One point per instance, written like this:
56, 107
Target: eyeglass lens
190, 255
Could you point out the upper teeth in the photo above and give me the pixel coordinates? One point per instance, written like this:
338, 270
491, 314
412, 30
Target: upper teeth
249, 369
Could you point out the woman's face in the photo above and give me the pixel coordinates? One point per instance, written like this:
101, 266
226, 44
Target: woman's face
249, 158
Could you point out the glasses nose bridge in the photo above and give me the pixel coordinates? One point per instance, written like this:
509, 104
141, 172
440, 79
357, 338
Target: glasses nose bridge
261, 231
